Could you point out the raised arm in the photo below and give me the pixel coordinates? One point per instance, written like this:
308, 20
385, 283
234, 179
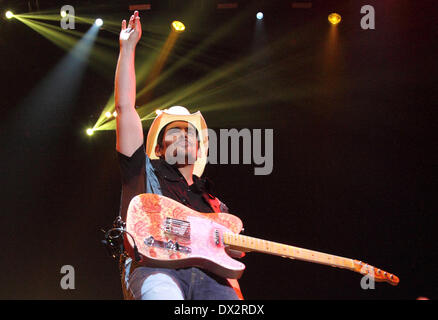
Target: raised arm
129, 128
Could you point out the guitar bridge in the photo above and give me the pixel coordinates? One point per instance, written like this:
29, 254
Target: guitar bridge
169, 245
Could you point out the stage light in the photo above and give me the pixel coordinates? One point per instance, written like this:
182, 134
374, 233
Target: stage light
108, 114
114, 114
178, 26
334, 18
90, 131
63, 14
98, 22
9, 14
259, 15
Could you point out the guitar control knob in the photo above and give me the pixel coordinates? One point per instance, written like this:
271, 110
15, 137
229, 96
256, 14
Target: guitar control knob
170, 245
149, 241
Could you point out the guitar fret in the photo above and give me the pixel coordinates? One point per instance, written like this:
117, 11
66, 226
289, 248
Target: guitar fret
270, 247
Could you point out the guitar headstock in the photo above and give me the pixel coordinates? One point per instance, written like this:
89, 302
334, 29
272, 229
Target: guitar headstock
377, 274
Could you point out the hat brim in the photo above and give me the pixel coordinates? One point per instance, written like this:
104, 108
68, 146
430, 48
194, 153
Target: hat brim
197, 120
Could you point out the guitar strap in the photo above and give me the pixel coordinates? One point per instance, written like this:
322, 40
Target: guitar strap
219, 206
214, 202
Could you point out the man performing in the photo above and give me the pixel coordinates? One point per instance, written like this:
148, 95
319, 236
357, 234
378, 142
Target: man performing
148, 169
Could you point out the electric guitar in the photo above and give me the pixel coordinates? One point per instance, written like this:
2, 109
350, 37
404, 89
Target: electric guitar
164, 233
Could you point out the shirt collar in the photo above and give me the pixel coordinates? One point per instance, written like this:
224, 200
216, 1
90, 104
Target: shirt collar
170, 173
167, 171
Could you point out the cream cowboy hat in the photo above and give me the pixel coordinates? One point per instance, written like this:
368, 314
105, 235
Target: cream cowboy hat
178, 113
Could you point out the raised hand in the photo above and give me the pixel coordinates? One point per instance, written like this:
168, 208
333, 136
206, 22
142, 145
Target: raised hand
129, 36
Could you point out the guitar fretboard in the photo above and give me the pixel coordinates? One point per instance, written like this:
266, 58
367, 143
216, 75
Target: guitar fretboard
245, 243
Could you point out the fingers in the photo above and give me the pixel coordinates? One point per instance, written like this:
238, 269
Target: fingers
137, 24
131, 22
136, 21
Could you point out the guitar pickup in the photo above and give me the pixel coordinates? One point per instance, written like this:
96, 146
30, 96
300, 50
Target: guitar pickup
176, 227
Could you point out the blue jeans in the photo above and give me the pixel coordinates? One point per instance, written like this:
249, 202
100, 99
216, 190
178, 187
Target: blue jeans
145, 283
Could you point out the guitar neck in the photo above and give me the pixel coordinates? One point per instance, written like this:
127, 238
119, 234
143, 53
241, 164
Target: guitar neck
245, 244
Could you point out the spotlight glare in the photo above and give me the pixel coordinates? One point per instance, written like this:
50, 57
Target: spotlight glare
114, 114
90, 131
9, 14
63, 13
178, 26
334, 18
259, 15
108, 114
98, 22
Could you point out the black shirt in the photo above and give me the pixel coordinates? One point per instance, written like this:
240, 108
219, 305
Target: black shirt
172, 182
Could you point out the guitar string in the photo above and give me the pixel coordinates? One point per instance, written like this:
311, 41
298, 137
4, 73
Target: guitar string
183, 226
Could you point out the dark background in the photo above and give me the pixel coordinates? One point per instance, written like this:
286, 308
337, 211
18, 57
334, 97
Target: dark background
354, 148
